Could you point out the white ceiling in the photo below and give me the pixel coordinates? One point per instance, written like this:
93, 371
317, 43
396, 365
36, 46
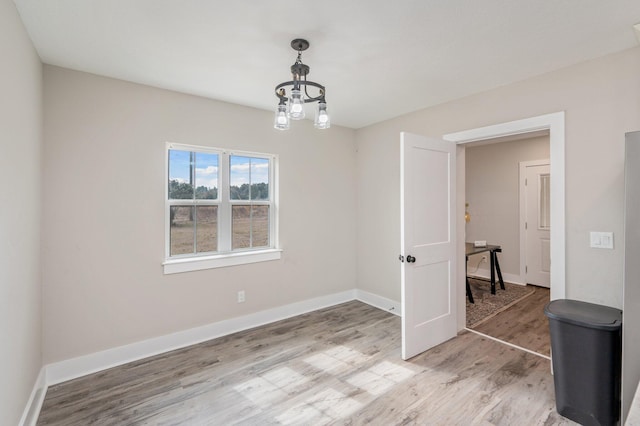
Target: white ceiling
378, 59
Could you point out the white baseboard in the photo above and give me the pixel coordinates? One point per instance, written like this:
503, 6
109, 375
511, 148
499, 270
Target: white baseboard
485, 274
77, 367
32, 409
379, 302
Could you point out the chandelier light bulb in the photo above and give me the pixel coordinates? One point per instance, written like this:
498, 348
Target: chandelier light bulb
281, 121
296, 107
322, 120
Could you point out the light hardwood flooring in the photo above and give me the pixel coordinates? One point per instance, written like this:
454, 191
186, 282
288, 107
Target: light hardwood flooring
523, 324
339, 365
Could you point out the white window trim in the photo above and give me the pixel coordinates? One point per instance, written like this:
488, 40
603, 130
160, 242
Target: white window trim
187, 264
225, 257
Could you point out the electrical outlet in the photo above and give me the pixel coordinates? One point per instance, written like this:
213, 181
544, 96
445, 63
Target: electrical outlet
484, 259
241, 296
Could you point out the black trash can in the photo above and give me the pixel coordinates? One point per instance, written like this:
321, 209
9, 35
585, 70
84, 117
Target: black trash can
586, 348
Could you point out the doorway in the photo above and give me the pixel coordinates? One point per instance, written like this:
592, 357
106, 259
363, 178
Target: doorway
554, 125
493, 200
500, 213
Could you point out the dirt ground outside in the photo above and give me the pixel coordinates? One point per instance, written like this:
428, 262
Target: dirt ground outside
250, 228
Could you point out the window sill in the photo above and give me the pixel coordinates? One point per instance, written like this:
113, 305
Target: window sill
176, 266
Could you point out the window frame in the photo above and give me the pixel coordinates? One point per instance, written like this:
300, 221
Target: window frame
225, 255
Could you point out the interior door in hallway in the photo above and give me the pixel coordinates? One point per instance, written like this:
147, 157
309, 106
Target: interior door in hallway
537, 225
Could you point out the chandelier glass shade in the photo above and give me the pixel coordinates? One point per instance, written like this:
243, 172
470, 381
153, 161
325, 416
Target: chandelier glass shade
291, 103
281, 121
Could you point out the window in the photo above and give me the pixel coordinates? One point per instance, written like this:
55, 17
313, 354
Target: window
544, 201
220, 208
249, 194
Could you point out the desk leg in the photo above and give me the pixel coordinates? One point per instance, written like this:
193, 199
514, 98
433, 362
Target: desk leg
492, 257
498, 271
469, 294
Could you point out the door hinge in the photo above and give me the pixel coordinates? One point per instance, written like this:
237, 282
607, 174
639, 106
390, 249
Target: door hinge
526, 269
526, 225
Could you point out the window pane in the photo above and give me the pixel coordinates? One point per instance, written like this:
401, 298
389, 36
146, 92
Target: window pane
241, 227
239, 177
260, 226
250, 227
206, 176
181, 229
180, 176
249, 178
259, 179
206, 228
544, 204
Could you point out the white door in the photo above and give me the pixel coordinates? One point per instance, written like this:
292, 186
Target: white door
427, 185
537, 224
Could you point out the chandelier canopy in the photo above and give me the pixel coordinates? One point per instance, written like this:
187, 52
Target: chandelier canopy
291, 107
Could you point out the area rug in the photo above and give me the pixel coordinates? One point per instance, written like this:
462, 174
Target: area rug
488, 305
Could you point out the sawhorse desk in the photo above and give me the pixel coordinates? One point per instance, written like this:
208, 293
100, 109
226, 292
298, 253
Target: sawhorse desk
470, 250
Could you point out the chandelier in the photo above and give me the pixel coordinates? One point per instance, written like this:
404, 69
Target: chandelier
292, 107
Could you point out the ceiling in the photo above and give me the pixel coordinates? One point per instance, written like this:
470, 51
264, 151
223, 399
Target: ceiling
378, 59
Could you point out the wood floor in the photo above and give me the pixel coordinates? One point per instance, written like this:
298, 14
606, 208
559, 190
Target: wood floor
339, 365
523, 324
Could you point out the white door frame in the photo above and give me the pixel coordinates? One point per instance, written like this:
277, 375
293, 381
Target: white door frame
523, 214
554, 123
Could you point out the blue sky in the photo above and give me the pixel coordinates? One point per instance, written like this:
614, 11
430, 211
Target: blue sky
243, 169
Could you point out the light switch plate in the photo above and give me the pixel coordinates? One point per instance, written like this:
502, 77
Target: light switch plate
602, 240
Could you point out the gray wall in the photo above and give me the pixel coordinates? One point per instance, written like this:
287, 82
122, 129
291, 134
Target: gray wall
104, 213
20, 173
600, 100
492, 191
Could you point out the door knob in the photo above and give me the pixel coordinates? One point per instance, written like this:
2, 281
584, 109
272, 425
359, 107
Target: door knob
411, 259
